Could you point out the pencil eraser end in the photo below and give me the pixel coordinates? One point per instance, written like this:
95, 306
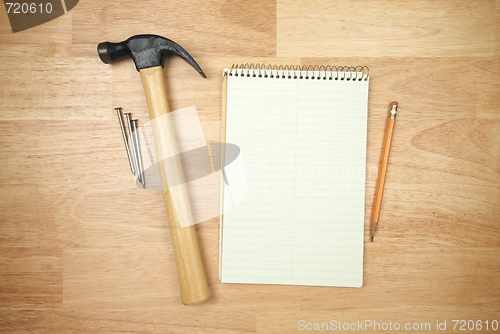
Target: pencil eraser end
394, 104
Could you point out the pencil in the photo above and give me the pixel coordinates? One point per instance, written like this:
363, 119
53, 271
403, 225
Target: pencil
379, 193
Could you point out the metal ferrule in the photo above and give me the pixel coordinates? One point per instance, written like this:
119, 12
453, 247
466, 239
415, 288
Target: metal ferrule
394, 111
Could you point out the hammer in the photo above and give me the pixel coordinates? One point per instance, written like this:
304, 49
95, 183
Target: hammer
148, 53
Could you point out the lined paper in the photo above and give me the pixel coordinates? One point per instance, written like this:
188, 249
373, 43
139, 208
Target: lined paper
302, 175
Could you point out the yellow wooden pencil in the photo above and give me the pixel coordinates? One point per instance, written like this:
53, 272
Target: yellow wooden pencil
379, 193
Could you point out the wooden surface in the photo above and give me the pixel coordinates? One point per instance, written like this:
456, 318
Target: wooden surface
83, 250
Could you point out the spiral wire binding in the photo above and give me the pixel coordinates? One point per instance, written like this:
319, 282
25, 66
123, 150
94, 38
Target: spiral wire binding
347, 73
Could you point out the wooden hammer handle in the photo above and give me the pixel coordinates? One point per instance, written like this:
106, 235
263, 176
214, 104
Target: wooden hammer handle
192, 281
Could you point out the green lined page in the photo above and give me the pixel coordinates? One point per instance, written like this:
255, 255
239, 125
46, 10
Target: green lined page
294, 205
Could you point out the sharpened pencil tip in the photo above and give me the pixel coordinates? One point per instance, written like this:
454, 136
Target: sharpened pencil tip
372, 239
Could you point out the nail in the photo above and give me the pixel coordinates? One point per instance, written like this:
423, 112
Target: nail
132, 141
140, 175
119, 112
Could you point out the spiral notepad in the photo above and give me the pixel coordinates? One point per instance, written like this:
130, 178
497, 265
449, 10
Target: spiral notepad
292, 202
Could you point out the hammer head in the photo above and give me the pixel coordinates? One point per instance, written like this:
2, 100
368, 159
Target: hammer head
146, 51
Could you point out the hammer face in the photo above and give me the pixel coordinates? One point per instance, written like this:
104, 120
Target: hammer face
111, 52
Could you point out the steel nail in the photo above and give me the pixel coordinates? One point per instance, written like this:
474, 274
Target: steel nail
132, 141
119, 112
140, 174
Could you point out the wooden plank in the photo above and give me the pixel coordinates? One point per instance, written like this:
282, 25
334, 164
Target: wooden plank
418, 276
487, 87
19, 215
66, 88
159, 320
22, 321
201, 27
381, 28
31, 278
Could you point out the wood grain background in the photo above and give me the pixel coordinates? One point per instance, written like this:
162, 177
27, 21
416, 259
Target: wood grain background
83, 250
